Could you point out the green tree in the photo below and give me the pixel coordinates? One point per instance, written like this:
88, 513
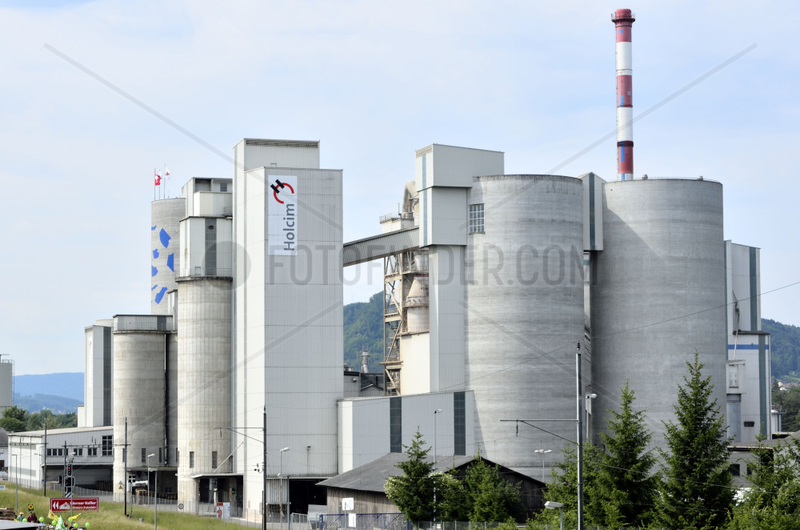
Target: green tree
625, 489
412, 492
478, 493
695, 491
14, 419
451, 498
491, 498
38, 420
773, 501
787, 402
563, 488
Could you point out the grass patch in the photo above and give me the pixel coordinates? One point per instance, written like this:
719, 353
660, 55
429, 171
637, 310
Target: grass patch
110, 514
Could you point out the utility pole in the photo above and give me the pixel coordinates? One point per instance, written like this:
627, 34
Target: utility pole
64, 479
44, 467
580, 436
264, 477
125, 464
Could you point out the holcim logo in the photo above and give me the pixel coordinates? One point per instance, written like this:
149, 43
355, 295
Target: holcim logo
278, 187
283, 237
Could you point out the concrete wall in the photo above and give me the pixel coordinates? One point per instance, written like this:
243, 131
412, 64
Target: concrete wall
366, 426
140, 388
6, 384
658, 294
525, 314
206, 247
288, 328
99, 370
204, 381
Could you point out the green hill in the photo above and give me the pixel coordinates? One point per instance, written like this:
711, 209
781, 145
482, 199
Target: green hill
363, 330
785, 345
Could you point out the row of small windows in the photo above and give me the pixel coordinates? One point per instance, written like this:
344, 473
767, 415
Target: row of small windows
177, 457
475, 218
106, 449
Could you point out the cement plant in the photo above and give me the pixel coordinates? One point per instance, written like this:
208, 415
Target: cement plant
233, 389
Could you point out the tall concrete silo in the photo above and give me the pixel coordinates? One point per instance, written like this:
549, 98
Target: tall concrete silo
525, 314
145, 350
658, 294
204, 345
204, 384
165, 216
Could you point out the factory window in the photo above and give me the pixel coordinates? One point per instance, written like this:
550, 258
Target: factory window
144, 455
160, 454
107, 445
214, 460
191, 459
60, 451
396, 424
735, 470
223, 186
91, 451
77, 451
475, 218
459, 424
177, 456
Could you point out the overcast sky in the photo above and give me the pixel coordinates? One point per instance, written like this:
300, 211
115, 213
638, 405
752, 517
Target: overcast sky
373, 81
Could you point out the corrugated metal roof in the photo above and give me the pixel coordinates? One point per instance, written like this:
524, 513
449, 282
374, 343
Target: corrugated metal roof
372, 476
281, 143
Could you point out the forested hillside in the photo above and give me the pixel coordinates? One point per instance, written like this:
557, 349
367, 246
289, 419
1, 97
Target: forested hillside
363, 330
785, 346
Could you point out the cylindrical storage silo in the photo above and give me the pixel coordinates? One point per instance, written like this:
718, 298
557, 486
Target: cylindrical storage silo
165, 217
140, 398
525, 315
204, 383
658, 294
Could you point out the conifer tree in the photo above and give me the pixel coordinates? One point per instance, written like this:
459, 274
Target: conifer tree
695, 491
563, 488
624, 488
412, 492
489, 496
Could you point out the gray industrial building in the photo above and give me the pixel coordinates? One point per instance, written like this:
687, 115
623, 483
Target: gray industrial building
233, 389
490, 282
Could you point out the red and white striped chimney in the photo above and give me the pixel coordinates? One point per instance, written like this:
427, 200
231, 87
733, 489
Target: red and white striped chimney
623, 20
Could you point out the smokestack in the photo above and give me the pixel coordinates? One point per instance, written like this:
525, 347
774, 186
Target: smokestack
623, 20
364, 362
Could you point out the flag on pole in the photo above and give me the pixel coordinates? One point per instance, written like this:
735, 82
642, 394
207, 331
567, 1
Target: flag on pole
166, 171
156, 178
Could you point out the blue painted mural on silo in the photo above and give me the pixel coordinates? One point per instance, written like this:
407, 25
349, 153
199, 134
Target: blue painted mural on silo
164, 238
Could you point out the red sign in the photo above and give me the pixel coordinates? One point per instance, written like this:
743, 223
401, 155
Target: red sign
80, 504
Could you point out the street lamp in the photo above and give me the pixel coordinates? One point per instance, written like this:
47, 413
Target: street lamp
280, 474
155, 493
16, 486
435, 413
543, 452
552, 505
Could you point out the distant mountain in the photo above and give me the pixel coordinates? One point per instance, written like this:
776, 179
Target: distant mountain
784, 342
67, 384
363, 330
39, 402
